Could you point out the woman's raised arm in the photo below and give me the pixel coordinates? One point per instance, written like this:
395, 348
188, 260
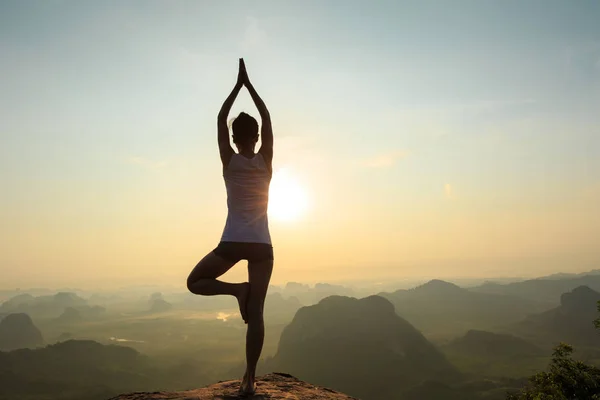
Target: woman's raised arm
225, 148
266, 131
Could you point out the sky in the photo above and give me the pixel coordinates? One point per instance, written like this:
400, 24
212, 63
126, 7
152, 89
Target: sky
425, 140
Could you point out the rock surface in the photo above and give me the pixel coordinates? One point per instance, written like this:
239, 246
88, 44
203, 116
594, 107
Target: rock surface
271, 386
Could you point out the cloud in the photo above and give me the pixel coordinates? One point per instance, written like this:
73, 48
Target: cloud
448, 191
385, 160
146, 163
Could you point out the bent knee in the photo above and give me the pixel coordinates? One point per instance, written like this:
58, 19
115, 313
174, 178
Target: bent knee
191, 283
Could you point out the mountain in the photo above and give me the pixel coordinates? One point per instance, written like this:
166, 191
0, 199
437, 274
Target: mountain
17, 331
64, 299
275, 386
17, 301
490, 345
74, 315
71, 315
360, 347
308, 295
568, 275
48, 306
158, 304
279, 309
571, 322
495, 356
547, 290
440, 308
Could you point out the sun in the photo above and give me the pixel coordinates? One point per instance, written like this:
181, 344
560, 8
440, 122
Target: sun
287, 198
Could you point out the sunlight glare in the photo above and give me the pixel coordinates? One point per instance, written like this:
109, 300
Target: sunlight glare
287, 198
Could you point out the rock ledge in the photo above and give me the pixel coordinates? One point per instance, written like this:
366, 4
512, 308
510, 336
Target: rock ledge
273, 386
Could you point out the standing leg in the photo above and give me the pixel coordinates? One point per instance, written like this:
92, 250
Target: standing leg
203, 280
259, 275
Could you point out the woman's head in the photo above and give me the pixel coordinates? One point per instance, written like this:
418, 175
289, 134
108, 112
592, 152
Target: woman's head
245, 131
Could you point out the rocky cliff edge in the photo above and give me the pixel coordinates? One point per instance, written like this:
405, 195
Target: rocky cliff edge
273, 386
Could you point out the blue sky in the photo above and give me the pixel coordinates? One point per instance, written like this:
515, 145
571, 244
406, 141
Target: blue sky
410, 124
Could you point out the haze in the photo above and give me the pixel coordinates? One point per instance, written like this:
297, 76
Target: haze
425, 150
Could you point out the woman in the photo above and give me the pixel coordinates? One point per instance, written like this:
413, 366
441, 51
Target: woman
246, 235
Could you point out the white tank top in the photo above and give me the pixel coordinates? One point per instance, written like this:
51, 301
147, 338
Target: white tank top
247, 182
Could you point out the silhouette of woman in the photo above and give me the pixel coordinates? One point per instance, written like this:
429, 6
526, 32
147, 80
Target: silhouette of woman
246, 235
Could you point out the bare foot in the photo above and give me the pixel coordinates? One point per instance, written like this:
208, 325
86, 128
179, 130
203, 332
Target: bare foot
248, 386
242, 299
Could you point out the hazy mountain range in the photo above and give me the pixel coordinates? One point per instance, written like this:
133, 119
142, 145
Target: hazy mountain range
442, 309
434, 341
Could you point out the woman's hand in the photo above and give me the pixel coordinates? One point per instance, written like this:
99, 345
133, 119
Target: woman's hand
242, 74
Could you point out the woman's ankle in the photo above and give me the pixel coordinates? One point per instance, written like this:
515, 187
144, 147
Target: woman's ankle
250, 375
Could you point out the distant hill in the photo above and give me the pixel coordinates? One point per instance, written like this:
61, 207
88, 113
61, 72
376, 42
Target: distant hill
360, 347
570, 322
279, 309
547, 290
308, 295
17, 301
494, 355
491, 345
17, 331
440, 308
50, 306
158, 304
73, 315
567, 275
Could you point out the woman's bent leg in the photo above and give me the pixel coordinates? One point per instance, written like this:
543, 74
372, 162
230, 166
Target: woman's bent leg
203, 281
259, 275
